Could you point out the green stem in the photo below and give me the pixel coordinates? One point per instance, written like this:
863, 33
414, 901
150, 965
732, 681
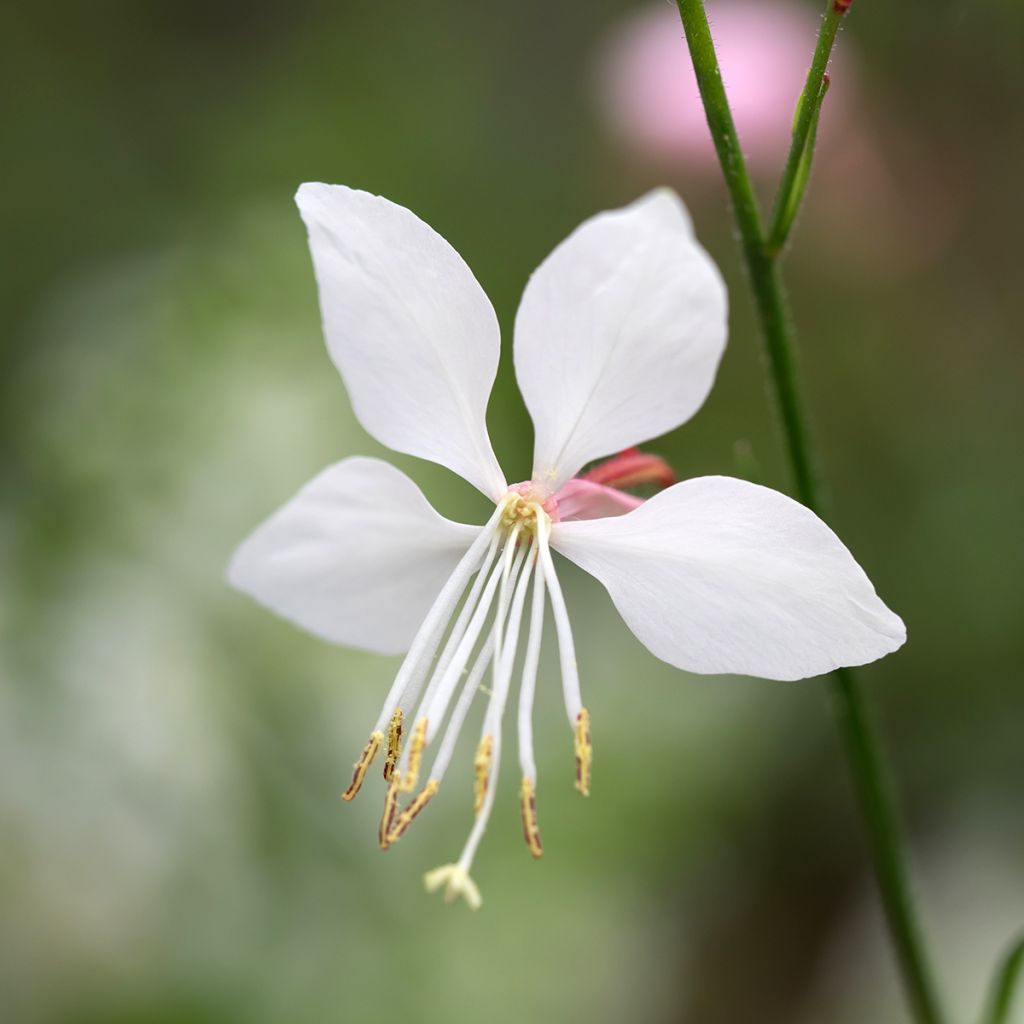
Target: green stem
789, 201
811, 99
860, 742
874, 792
998, 1009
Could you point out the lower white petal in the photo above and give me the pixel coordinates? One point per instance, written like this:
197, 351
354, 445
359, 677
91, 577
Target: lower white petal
720, 575
356, 557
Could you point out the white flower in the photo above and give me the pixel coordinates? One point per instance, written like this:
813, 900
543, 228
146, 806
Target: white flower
617, 340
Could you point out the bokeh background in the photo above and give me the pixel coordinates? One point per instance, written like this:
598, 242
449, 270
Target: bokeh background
171, 844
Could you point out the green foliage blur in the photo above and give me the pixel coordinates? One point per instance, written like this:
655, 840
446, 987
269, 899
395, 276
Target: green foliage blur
171, 844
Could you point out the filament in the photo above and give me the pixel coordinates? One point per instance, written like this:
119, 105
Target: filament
495, 713
434, 712
469, 691
465, 615
410, 674
528, 685
563, 629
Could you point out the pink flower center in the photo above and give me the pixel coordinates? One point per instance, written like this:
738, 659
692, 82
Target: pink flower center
600, 491
527, 490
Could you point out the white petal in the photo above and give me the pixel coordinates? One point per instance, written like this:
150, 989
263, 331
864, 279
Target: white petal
618, 336
721, 575
356, 557
408, 326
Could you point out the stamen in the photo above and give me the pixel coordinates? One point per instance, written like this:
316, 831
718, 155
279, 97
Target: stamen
528, 809
387, 819
458, 631
476, 833
438, 705
406, 818
482, 771
414, 667
469, 691
504, 657
506, 571
394, 743
524, 526
584, 752
528, 685
493, 718
566, 648
362, 766
407, 779
394, 825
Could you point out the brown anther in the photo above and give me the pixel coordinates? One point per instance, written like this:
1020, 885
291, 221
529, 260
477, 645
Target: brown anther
482, 772
584, 752
394, 743
387, 818
842, 6
362, 766
528, 809
406, 818
416, 746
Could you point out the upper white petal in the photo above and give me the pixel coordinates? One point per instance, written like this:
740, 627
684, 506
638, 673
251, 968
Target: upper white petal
721, 575
408, 326
356, 557
619, 335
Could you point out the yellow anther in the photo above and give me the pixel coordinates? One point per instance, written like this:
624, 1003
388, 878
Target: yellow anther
528, 808
417, 743
406, 818
520, 513
394, 743
387, 819
584, 752
362, 766
482, 771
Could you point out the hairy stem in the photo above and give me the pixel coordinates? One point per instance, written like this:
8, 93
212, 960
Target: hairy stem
811, 98
860, 743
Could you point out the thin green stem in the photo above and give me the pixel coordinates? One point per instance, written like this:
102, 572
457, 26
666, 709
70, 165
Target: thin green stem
886, 842
811, 99
1001, 997
765, 279
788, 202
860, 742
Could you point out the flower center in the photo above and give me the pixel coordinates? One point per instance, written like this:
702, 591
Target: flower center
521, 506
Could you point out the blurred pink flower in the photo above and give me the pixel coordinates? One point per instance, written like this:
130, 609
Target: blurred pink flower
650, 95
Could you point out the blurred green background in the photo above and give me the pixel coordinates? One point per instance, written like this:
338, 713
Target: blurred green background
171, 844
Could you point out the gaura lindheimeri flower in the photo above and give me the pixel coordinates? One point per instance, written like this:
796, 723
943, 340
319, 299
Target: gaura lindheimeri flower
617, 340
